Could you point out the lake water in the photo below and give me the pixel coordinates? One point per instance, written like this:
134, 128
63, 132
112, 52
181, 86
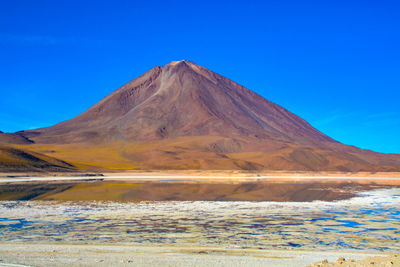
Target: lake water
370, 221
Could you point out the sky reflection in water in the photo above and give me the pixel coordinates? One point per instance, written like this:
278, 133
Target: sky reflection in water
370, 221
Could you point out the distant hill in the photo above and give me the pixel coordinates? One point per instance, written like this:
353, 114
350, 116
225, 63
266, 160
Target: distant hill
13, 159
184, 116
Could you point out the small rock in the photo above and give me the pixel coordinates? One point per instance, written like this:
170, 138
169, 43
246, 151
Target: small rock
324, 261
341, 259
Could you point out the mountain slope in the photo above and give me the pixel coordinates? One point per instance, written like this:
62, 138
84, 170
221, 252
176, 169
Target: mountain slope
14, 138
14, 159
184, 116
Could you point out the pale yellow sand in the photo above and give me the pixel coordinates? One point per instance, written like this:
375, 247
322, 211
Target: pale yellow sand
130, 255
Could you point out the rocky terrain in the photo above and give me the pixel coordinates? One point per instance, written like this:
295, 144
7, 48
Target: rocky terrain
383, 261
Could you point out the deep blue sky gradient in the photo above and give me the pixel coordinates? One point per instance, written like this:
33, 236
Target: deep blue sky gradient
334, 63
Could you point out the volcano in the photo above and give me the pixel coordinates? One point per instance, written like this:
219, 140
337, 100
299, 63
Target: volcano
184, 116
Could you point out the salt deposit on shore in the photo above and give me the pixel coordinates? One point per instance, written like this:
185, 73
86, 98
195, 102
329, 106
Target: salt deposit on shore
129, 255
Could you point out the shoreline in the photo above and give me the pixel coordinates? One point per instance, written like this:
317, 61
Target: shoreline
217, 173
65, 254
153, 176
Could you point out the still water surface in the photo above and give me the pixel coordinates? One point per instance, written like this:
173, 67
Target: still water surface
370, 221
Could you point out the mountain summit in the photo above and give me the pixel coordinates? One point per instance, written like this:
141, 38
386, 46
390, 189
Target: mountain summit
183, 115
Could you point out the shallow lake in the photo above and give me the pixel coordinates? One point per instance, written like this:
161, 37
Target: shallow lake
370, 221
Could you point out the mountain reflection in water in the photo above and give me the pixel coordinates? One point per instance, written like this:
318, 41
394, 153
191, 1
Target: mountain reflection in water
370, 221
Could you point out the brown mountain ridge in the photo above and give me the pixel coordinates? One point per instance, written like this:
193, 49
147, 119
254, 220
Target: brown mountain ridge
184, 116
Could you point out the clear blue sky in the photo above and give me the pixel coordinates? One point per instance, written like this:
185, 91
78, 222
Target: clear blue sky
334, 63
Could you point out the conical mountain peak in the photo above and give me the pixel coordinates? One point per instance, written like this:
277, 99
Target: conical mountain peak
186, 116
172, 63
184, 61
184, 99
182, 65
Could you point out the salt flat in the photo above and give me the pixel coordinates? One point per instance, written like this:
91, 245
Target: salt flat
131, 255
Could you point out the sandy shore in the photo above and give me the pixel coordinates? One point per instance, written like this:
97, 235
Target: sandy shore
131, 255
205, 173
388, 178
